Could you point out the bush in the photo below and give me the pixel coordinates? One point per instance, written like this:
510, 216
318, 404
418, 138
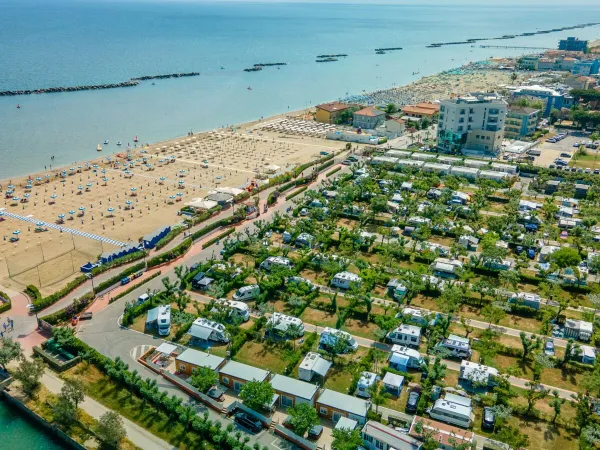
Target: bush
118, 262
220, 236
331, 172
33, 293
246, 335
53, 298
169, 237
174, 253
68, 312
5, 303
182, 330
208, 228
296, 193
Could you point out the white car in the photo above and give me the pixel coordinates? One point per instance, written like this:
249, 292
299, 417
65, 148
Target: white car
576, 144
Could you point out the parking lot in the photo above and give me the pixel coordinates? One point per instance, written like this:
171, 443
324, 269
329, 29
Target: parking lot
552, 150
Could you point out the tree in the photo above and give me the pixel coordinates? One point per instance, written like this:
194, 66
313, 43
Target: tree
492, 313
203, 378
534, 393
583, 409
502, 413
556, 404
181, 272
565, 257
529, 343
110, 429
510, 278
9, 351
572, 351
257, 394
64, 411
346, 439
169, 286
378, 396
73, 391
302, 417
29, 374
391, 108
513, 437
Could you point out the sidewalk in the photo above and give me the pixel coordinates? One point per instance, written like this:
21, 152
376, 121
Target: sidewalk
136, 434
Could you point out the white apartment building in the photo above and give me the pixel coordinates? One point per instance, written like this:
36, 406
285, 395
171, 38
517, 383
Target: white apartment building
475, 122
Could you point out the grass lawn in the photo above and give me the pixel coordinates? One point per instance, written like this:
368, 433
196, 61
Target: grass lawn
319, 318
113, 396
266, 355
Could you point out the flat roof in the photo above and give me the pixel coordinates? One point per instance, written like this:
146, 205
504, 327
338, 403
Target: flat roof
243, 371
166, 348
392, 379
393, 439
294, 387
200, 359
343, 402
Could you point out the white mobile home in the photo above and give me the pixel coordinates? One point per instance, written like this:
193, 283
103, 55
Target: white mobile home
344, 280
448, 268
276, 261
405, 335
464, 172
578, 329
206, 330
477, 374
330, 336
284, 324
247, 293
453, 409
313, 364
403, 358
458, 346
367, 379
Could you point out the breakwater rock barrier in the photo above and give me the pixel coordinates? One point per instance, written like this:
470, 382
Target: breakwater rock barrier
92, 87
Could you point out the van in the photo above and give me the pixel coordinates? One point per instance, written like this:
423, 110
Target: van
246, 293
143, 299
273, 261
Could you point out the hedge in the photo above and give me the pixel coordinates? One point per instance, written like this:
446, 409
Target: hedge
118, 262
325, 166
117, 278
304, 349
33, 292
174, 253
169, 237
68, 312
53, 298
6, 304
220, 236
331, 172
135, 286
207, 229
246, 335
296, 193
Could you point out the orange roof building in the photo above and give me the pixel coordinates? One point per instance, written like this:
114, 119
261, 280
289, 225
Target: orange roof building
330, 112
421, 110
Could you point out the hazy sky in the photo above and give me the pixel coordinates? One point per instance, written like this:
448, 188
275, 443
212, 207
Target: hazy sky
571, 3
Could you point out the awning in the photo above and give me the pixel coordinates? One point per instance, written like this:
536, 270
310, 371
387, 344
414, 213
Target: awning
321, 367
200, 332
165, 348
393, 380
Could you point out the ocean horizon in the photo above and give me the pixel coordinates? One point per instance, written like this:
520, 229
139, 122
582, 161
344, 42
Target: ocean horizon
70, 43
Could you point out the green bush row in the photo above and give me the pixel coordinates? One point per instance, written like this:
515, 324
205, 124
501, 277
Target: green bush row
117, 278
172, 254
331, 172
220, 236
296, 193
118, 262
53, 298
68, 312
5, 304
169, 237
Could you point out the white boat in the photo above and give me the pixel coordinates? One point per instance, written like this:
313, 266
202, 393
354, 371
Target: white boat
99, 148
105, 141
118, 142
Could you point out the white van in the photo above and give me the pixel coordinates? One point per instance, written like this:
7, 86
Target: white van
143, 299
164, 320
246, 293
237, 310
273, 261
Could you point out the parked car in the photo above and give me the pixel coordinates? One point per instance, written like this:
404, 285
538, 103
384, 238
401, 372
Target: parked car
413, 401
248, 422
565, 155
346, 162
576, 144
549, 347
488, 419
315, 432
216, 394
596, 171
519, 249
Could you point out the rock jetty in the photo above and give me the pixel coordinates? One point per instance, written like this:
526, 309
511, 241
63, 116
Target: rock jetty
341, 55
259, 66
132, 82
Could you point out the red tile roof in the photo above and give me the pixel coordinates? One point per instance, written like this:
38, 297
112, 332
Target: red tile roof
369, 111
333, 106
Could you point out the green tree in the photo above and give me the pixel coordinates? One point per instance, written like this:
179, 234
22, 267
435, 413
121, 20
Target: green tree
257, 394
111, 429
492, 313
346, 439
302, 417
572, 351
9, 351
378, 396
73, 391
64, 411
390, 108
529, 343
556, 404
513, 437
181, 272
534, 393
203, 378
565, 257
29, 374
583, 409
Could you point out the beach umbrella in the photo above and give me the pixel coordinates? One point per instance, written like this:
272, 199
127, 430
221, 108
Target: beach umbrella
172, 197
133, 189
53, 196
180, 194
80, 167
128, 202
95, 166
47, 176
10, 186
17, 232
39, 224
105, 179
103, 170
82, 208
72, 169
111, 210
26, 195
181, 182
16, 199
72, 212
28, 186
10, 191
38, 179
80, 187
61, 216
89, 184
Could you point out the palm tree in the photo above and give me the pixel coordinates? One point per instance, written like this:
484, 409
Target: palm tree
181, 272
169, 286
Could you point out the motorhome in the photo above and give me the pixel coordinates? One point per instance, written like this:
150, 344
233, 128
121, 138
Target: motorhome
281, 324
457, 346
203, 329
406, 335
329, 339
246, 293
344, 280
403, 358
237, 310
164, 320
420, 317
453, 409
275, 261
367, 379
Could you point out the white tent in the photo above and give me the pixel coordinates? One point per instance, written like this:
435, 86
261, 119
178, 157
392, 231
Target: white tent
227, 190
201, 203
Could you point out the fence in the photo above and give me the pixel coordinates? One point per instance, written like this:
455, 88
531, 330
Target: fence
289, 435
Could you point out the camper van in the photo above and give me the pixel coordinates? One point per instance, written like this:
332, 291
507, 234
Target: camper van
453, 409
275, 261
330, 336
367, 379
206, 330
164, 320
143, 298
237, 310
246, 293
458, 346
281, 323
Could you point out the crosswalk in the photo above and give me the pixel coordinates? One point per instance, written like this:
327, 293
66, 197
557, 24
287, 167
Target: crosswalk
62, 229
139, 350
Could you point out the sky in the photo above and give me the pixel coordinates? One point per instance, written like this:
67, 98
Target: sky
378, 2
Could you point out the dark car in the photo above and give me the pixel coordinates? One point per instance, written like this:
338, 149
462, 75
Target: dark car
315, 432
248, 422
413, 401
488, 419
216, 394
530, 253
565, 155
519, 249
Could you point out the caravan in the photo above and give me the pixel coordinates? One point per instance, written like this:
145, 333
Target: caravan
367, 379
282, 324
457, 346
329, 339
164, 320
206, 330
237, 310
247, 293
453, 409
275, 261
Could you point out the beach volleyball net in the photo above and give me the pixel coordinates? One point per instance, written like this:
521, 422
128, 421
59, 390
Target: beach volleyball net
51, 261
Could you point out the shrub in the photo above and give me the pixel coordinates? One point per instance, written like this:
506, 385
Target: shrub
5, 303
33, 293
220, 236
331, 172
117, 278
53, 298
174, 253
118, 262
296, 193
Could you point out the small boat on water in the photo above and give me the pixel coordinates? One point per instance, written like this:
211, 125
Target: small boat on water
119, 143
249, 88
135, 139
99, 148
18, 106
105, 141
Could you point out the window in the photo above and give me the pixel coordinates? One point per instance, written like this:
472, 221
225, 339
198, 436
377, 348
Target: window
442, 108
461, 120
468, 127
462, 111
225, 380
487, 138
471, 111
460, 128
367, 438
182, 367
413, 339
323, 410
379, 444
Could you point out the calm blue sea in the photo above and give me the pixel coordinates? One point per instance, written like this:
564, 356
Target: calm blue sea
68, 42
18, 434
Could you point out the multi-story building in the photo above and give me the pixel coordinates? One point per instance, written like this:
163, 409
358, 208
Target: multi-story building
552, 98
573, 44
562, 63
520, 122
529, 62
368, 118
475, 122
330, 112
586, 68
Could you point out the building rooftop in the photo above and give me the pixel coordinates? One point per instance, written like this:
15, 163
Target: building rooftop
344, 402
315, 363
442, 433
200, 359
393, 439
333, 106
294, 387
243, 371
522, 110
369, 111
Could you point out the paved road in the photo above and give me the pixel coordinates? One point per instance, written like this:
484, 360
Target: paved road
136, 434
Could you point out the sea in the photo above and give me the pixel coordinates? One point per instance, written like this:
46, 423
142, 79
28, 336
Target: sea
78, 42
19, 434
